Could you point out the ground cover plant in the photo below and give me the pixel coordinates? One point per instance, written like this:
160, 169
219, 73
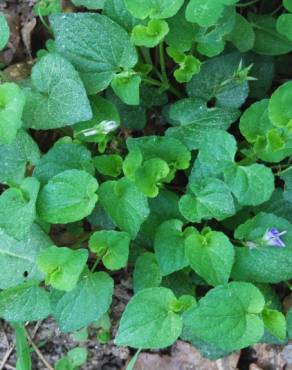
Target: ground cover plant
157, 135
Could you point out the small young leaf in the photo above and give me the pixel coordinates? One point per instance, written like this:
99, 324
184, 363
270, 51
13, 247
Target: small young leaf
125, 204
112, 247
46, 7
150, 312
211, 256
78, 356
69, 196
157, 9
126, 85
62, 266
150, 174
109, 165
150, 35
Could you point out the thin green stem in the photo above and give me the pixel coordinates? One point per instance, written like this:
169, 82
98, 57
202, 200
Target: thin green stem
151, 81
95, 264
162, 62
247, 4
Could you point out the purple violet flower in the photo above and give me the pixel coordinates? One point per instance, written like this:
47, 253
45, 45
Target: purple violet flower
272, 237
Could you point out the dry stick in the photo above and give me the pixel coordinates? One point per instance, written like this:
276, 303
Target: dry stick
11, 349
10, 367
6, 357
38, 352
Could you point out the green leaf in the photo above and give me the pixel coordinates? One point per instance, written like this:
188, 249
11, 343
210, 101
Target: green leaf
12, 101
57, 97
267, 40
150, 35
125, 204
242, 35
157, 9
275, 323
18, 258
4, 31
216, 155
211, 256
170, 150
22, 348
228, 316
181, 33
288, 5
280, 111
194, 122
64, 363
78, 356
15, 156
109, 165
46, 7
25, 302
287, 177
19, 204
284, 25
209, 199
62, 267
262, 263
118, 12
95, 130
257, 112
98, 51
228, 92
150, 312
162, 208
188, 65
205, 14
251, 185
62, 157
112, 247
87, 302
126, 85
149, 176
146, 273
67, 197
211, 40
132, 163
90, 4
170, 244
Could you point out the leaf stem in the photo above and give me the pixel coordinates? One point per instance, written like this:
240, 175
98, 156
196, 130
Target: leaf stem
247, 4
95, 264
162, 63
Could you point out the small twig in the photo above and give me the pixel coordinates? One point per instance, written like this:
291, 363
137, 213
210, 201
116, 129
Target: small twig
38, 352
10, 367
6, 356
